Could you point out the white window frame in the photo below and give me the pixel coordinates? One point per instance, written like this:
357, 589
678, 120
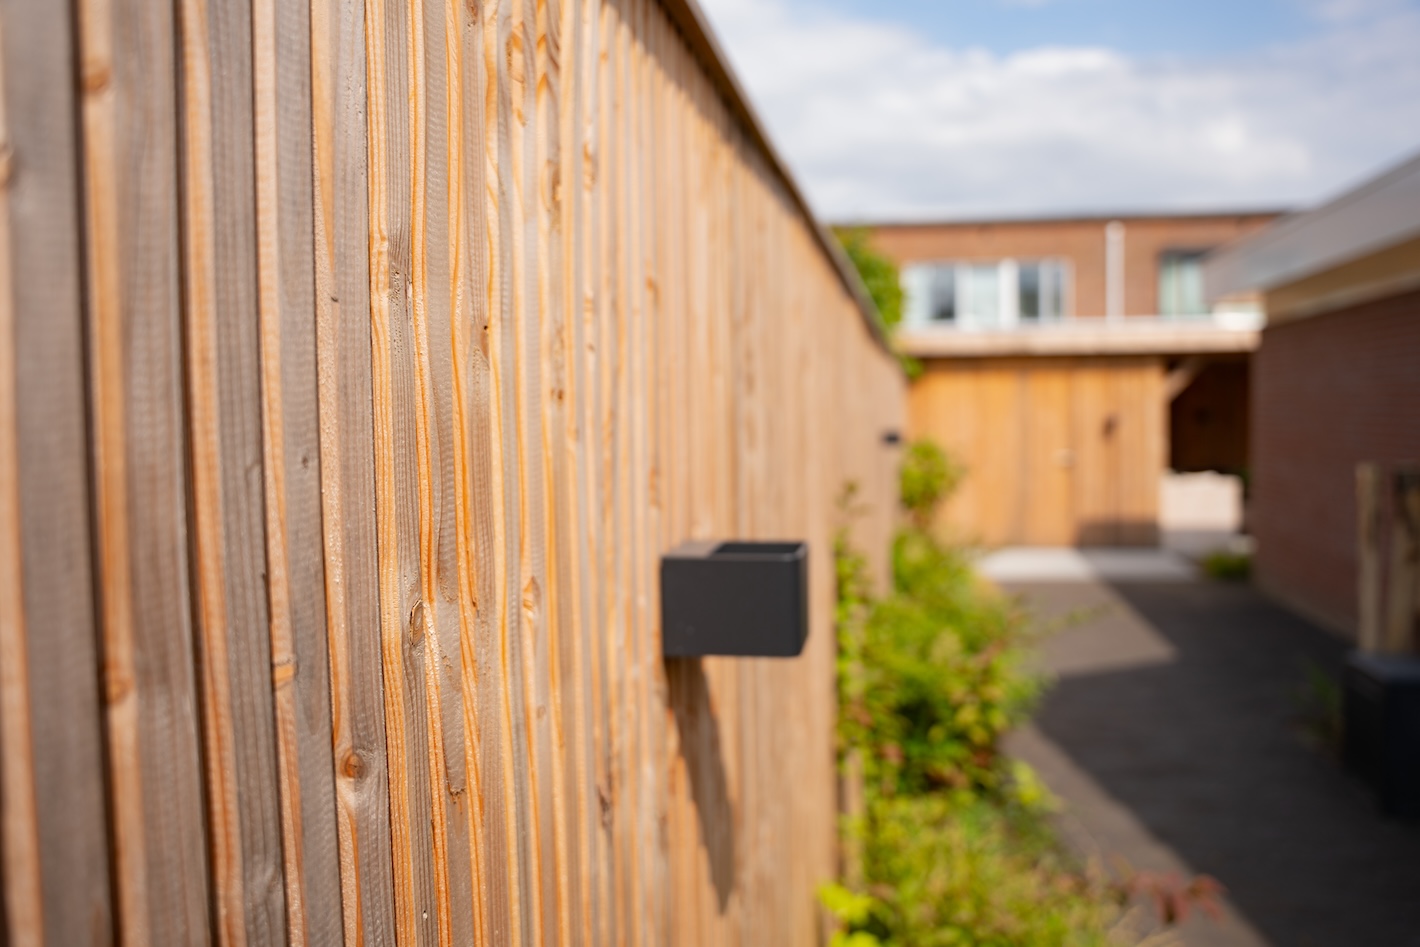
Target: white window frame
916, 279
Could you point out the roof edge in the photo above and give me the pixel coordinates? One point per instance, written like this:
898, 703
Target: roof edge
1380, 212
695, 29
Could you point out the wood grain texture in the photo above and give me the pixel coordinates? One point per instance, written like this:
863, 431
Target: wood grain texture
283, 112
54, 840
417, 331
132, 247
342, 261
237, 581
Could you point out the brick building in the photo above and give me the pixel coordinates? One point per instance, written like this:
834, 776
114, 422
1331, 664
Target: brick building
1336, 379
1070, 362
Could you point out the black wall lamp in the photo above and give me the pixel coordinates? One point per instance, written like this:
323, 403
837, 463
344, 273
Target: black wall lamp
748, 599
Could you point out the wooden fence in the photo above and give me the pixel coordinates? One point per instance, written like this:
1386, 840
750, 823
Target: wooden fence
358, 359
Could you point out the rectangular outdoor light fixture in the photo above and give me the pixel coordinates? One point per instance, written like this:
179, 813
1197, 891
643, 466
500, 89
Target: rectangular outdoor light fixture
748, 599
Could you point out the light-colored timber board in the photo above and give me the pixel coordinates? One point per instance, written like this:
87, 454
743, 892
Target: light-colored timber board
338, 51
404, 622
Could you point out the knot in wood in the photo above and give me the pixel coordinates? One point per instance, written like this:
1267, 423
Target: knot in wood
352, 766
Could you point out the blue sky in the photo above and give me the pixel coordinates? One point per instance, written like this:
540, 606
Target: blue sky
913, 110
1142, 27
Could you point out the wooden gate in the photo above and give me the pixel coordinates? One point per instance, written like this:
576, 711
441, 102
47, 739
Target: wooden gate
1059, 451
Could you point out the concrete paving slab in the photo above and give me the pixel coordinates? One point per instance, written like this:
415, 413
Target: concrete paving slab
1056, 564
1172, 734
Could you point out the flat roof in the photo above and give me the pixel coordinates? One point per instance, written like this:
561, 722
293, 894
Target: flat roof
1132, 335
1378, 214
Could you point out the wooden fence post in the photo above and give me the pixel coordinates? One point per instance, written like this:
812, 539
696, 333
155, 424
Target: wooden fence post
1368, 558
1404, 566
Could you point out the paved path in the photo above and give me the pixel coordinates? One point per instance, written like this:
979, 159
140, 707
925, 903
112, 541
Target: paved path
1172, 735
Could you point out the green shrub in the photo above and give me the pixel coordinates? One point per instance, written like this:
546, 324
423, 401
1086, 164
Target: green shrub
928, 476
881, 280
1228, 566
879, 274
938, 676
976, 874
955, 842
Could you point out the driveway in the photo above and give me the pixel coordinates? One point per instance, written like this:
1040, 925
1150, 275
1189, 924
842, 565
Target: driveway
1172, 734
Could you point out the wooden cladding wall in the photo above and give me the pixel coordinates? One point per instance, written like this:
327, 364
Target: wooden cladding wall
358, 359
1058, 451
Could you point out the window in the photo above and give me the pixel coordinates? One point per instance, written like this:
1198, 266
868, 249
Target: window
943, 296
1042, 285
984, 294
1181, 283
980, 293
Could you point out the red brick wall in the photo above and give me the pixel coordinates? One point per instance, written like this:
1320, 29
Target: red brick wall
1328, 392
1081, 241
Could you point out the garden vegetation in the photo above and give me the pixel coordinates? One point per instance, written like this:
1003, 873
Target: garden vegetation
951, 843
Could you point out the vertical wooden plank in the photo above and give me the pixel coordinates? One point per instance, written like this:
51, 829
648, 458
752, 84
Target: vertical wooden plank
584, 407
291, 451
496, 891
1141, 460
498, 698
404, 618
559, 669
132, 247
562, 289
1403, 569
509, 56
227, 424
1369, 583
1096, 429
347, 483
432, 298
1048, 502
21, 899
527, 590
54, 882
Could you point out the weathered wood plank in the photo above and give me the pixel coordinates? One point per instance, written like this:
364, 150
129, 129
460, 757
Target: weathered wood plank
132, 248
405, 618
347, 470
23, 908
526, 551
507, 57
438, 528
1369, 574
227, 424
1403, 569
291, 450
53, 844
470, 181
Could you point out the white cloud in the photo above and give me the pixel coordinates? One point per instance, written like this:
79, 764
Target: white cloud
879, 122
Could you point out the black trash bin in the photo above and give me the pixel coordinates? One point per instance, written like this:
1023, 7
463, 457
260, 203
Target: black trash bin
1381, 728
